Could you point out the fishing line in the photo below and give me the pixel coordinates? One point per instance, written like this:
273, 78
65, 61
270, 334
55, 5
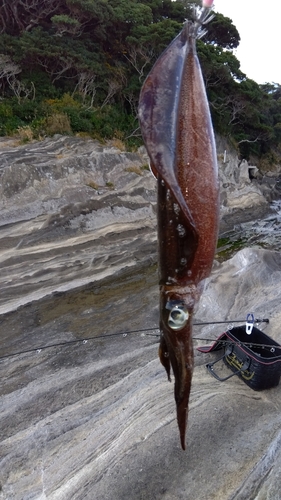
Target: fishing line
238, 343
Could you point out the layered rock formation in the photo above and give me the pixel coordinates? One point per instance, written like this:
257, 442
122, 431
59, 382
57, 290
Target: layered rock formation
93, 416
72, 211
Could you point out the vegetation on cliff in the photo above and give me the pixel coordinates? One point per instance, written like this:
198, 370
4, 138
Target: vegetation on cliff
78, 66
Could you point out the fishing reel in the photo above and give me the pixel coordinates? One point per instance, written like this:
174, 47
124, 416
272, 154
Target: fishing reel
178, 315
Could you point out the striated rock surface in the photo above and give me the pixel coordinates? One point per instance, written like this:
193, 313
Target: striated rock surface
97, 419
72, 211
93, 416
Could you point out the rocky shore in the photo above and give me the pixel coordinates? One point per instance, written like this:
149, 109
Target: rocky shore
96, 418
72, 212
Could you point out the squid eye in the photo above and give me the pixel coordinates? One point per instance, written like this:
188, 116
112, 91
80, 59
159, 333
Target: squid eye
177, 318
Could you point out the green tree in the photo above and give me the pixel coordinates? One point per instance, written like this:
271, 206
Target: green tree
87, 59
222, 32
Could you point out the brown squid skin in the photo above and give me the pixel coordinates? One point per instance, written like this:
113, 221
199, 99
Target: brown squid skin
177, 131
176, 248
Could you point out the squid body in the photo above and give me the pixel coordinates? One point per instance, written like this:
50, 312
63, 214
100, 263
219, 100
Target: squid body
177, 130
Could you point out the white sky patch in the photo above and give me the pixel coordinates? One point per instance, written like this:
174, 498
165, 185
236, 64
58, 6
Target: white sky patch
258, 24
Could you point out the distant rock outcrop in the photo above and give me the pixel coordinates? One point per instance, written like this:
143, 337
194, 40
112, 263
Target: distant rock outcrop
242, 185
239, 188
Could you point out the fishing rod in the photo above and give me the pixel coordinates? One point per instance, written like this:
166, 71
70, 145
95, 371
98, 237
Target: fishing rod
257, 321
204, 323
77, 341
124, 334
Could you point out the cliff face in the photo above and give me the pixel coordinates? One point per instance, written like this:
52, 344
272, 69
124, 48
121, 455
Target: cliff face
43, 177
96, 419
71, 211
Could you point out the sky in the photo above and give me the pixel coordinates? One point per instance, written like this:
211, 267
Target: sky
258, 24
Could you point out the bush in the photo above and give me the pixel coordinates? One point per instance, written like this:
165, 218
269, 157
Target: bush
25, 133
58, 123
14, 115
79, 120
60, 104
28, 110
64, 116
111, 121
8, 122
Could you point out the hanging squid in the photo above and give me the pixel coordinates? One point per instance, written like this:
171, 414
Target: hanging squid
177, 131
